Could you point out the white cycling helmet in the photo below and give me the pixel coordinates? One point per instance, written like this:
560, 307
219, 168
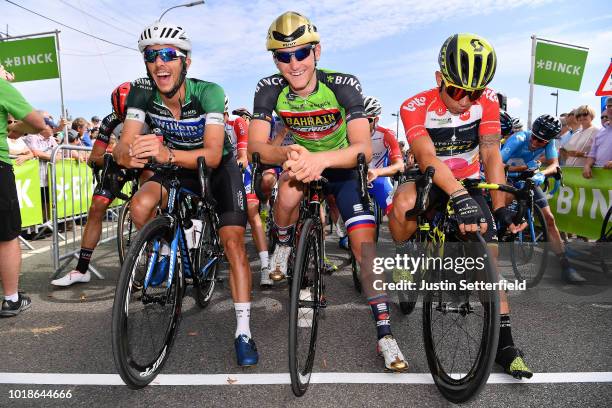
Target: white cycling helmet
372, 106
160, 33
226, 104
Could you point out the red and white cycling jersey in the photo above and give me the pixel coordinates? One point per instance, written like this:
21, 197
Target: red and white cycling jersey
237, 131
385, 148
455, 137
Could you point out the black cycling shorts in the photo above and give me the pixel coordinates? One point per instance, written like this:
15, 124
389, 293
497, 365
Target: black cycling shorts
10, 226
227, 190
438, 200
103, 189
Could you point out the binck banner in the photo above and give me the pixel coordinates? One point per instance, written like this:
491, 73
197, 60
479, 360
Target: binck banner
559, 65
581, 205
27, 181
30, 59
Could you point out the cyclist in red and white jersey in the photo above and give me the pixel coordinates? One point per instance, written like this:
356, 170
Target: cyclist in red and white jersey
454, 127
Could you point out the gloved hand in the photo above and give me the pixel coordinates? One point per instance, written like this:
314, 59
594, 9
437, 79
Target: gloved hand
538, 179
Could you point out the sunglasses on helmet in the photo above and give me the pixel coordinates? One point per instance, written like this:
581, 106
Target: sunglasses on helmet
299, 54
457, 93
166, 54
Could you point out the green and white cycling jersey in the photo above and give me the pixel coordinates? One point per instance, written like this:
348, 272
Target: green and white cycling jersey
203, 105
318, 121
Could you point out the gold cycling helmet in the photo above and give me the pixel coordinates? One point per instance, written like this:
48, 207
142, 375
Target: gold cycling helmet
467, 61
289, 30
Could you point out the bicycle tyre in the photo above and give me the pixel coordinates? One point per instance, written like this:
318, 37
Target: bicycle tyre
356, 273
517, 259
134, 374
206, 256
125, 226
308, 252
454, 389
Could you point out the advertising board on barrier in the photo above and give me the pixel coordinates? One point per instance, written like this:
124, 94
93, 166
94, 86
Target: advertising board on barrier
581, 205
74, 187
27, 181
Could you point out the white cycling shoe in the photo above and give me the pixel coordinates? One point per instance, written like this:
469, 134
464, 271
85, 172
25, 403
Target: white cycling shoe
279, 261
394, 359
265, 281
71, 277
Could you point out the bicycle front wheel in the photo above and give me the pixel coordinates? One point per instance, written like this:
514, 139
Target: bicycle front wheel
461, 326
147, 306
307, 299
529, 249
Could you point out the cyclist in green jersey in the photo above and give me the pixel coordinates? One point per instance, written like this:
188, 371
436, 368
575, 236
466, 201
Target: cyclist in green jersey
324, 112
189, 113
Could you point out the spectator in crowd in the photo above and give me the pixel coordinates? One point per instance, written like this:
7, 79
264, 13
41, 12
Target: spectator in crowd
30, 121
18, 150
601, 150
95, 127
42, 145
579, 145
81, 125
605, 118
75, 140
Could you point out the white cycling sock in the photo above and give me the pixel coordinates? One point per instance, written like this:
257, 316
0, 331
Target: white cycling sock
263, 257
12, 298
243, 315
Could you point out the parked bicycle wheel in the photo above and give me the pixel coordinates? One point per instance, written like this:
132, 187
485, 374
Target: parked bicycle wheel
126, 230
461, 326
206, 263
529, 249
147, 306
306, 301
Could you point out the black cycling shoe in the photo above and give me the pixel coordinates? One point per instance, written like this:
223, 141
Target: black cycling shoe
511, 359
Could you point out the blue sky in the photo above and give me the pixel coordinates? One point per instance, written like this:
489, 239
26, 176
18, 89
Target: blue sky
391, 46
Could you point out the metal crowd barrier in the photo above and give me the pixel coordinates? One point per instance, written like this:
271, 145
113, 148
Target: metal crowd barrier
71, 188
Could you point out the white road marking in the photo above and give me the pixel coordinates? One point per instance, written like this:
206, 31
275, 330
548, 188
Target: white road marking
283, 378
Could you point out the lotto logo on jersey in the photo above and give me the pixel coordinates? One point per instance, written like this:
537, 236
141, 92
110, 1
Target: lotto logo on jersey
414, 103
314, 124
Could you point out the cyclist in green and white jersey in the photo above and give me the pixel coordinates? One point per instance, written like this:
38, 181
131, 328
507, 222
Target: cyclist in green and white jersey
189, 112
324, 111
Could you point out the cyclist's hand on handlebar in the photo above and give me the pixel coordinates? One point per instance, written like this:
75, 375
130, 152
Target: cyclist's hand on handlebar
538, 179
506, 216
469, 214
244, 161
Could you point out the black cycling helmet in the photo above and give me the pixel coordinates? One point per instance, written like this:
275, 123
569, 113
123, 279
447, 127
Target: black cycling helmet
505, 120
546, 128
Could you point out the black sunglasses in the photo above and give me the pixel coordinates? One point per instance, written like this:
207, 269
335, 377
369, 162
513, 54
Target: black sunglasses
166, 55
299, 54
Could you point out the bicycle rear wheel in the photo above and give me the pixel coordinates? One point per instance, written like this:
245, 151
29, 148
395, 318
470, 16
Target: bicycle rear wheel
529, 249
306, 302
146, 309
206, 263
125, 231
461, 326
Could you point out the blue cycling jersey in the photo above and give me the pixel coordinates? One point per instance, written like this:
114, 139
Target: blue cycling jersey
516, 151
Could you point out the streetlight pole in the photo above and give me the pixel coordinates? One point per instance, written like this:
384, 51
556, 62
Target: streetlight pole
556, 95
397, 116
194, 3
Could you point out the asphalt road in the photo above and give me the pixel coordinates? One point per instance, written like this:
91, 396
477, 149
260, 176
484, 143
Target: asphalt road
562, 329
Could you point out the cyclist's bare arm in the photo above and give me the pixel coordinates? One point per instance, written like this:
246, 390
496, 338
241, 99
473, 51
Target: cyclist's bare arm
397, 164
97, 154
258, 142
425, 155
493, 167
551, 166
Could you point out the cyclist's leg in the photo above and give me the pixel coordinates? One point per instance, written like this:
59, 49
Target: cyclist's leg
257, 230
568, 273
144, 203
228, 190
102, 197
402, 229
268, 181
360, 225
286, 211
508, 356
